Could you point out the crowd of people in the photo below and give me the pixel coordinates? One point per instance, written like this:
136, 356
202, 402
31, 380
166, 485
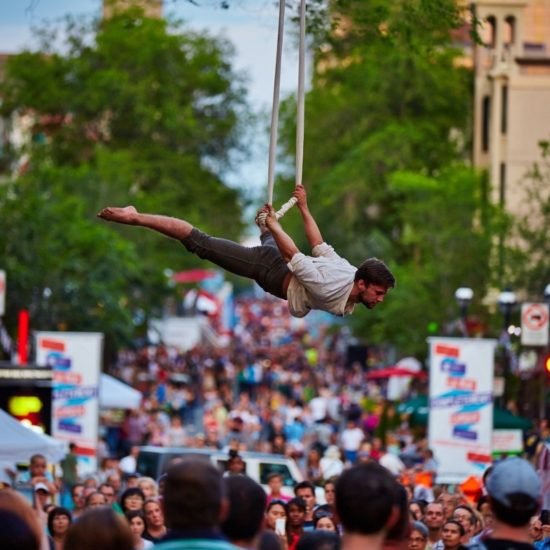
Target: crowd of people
197, 506
280, 387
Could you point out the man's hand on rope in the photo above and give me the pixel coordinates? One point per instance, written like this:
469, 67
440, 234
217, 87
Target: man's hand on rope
300, 195
268, 214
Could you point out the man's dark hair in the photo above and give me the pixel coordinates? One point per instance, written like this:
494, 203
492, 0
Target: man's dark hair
473, 517
400, 529
461, 529
375, 272
247, 502
522, 508
319, 540
365, 498
193, 493
304, 485
15, 532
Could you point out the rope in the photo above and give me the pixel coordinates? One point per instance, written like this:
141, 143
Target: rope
275, 104
300, 110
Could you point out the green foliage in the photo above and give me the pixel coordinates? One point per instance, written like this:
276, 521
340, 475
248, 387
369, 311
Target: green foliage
131, 110
70, 272
387, 126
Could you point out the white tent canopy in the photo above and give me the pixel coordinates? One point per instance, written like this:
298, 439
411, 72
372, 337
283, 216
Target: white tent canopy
19, 443
114, 394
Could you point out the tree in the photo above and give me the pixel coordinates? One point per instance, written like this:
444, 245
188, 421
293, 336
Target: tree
387, 126
128, 110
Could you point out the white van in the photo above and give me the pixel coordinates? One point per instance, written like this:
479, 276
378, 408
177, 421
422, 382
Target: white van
153, 461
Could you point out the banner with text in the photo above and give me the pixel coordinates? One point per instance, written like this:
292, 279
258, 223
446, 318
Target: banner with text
75, 358
461, 406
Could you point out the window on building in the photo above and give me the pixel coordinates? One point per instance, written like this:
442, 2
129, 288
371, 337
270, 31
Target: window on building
490, 31
485, 121
509, 30
502, 190
504, 113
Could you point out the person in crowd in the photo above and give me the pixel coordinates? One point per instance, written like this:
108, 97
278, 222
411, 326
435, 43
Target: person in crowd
38, 473
115, 481
330, 491
514, 490
417, 509
136, 521
42, 498
352, 437
449, 502
319, 540
452, 534
78, 500
313, 465
275, 484
95, 499
433, 519
418, 536
16, 533
365, 504
397, 535
535, 529
306, 491
149, 487
194, 506
128, 464
331, 464
154, 520
19, 525
109, 493
325, 522
59, 521
247, 502
297, 510
99, 528
69, 476
132, 499
467, 517
544, 542
275, 510
131, 480
235, 464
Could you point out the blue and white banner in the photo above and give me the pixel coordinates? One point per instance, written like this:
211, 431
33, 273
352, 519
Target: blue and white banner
461, 406
75, 358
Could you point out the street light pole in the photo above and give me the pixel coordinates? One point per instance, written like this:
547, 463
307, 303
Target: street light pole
463, 296
506, 301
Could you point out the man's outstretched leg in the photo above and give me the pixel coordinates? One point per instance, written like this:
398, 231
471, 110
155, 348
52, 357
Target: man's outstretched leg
171, 227
262, 264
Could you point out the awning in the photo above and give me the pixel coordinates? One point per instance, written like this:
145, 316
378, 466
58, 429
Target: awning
114, 394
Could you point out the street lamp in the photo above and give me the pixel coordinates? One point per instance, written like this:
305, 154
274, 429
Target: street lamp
464, 297
506, 301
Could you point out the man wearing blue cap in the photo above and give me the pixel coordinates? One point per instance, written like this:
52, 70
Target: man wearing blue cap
514, 490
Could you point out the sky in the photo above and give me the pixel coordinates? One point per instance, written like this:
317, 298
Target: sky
251, 25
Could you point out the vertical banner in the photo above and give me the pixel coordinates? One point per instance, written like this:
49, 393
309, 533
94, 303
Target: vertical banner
461, 406
75, 358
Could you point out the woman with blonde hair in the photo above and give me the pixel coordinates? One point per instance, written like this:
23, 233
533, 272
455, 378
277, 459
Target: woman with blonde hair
149, 487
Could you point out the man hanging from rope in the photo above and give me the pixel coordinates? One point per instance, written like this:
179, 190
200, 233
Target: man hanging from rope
322, 281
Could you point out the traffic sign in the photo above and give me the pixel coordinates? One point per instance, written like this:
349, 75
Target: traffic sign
534, 324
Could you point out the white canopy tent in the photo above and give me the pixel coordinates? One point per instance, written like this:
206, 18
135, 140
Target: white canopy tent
19, 443
114, 394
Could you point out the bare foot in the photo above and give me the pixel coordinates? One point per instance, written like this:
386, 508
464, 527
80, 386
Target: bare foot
127, 215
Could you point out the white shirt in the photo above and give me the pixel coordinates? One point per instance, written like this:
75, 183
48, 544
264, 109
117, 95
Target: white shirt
352, 438
322, 281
